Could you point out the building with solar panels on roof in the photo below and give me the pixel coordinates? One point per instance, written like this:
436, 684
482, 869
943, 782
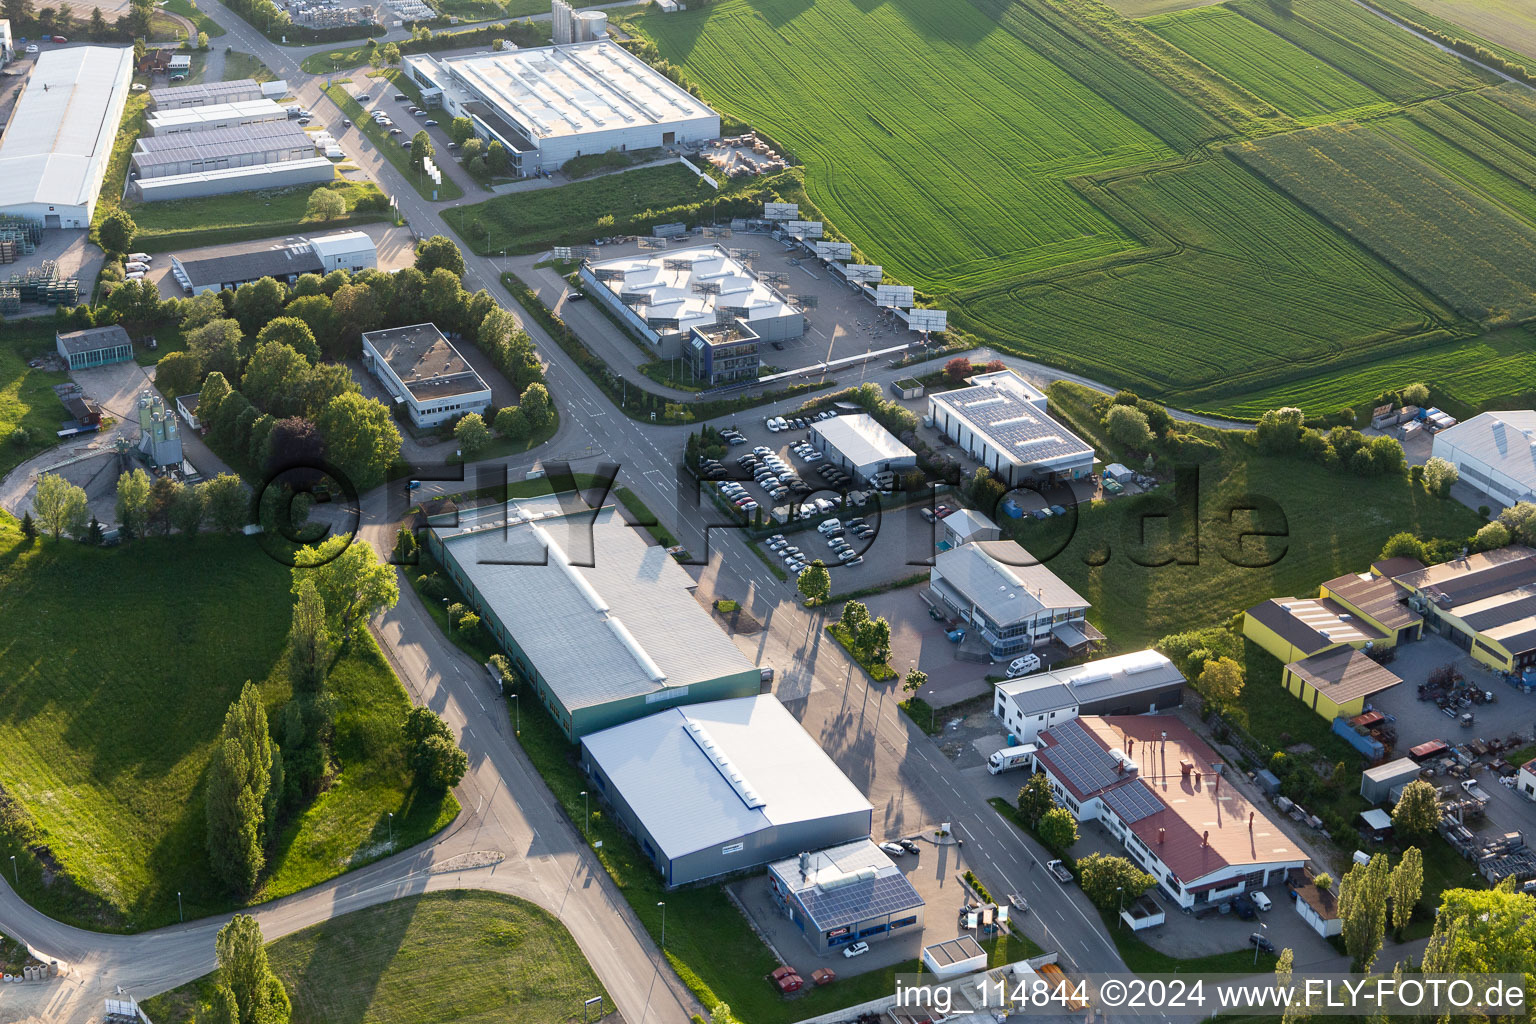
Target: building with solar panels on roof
1001, 420
1161, 791
710, 789
845, 894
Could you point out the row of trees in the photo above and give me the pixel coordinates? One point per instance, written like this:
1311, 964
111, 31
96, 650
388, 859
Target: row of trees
1374, 894
869, 638
144, 508
1054, 826
1284, 432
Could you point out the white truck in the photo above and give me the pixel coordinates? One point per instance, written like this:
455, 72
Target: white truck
1475, 791
1010, 757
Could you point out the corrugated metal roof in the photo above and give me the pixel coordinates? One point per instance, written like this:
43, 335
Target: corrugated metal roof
59, 138
269, 137
247, 261
861, 440
583, 657
175, 96
683, 798
1004, 580
1009, 413
1504, 441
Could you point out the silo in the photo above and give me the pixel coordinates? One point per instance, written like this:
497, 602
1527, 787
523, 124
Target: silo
591, 25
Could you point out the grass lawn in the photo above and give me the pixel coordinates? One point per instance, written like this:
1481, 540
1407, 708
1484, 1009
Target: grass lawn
485, 954
246, 65
1110, 554
391, 150
105, 736
211, 220
189, 9
343, 58
501, 447
878, 671
524, 222
26, 395
922, 714
128, 131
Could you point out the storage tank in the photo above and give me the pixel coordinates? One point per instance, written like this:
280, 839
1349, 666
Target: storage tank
591, 25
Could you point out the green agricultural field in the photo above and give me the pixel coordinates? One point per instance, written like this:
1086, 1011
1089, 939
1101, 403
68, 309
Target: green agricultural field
1474, 255
1491, 23
1270, 65
106, 729
1166, 324
1136, 601
943, 192
1365, 47
484, 954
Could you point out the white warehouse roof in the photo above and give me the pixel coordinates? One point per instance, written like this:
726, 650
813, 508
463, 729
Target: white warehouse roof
662, 286
1104, 679
705, 774
215, 115
624, 624
1504, 442
575, 88
1010, 414
59, 138
862, 441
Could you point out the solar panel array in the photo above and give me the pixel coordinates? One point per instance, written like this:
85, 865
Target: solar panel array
860, 901
1133, 801
1079, 759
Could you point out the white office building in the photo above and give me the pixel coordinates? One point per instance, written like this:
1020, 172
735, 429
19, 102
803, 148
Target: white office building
1495, 452
551, 103
56, 147
1008, 599
422, 369
1128, 684
1001, 420
664, 295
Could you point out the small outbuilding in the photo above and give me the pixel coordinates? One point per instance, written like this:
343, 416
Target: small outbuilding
966, 525
960, 955
187, 406
861, 446
1376, 823
94, 346
1377, 783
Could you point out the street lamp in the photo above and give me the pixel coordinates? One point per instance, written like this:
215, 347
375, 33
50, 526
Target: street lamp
1256, 945
663, 906
179, 912
517, 712
391, 830
933, 711
15, 872
586, 823
1120, 919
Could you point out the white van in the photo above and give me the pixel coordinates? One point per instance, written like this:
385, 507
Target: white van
136, 265
135, 275
140, 257
829, 527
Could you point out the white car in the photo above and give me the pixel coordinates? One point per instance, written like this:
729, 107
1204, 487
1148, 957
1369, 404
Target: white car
857, 949
1023, 666
1260, 900
31, 47
894, 849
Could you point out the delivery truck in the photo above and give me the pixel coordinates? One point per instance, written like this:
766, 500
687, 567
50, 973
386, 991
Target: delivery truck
1010, 757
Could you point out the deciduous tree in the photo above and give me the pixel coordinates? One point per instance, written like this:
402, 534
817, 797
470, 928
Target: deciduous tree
1417, 812
133, 503
116, 231
275, 378
361, 438
434, 758
1057, 829
353, 584
1109, 880
439, 251
472, 434
1129, 426
60, 506
293, 332
512, 422
186, 511
1363, 910
536, 405
216, 347
1440, 476
814, 583
1221, 682
227, 502
309, 639
1405, 885
258, 302
1035, 799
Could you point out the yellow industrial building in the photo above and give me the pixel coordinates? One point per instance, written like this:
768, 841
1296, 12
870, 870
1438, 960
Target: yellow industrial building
1484, 603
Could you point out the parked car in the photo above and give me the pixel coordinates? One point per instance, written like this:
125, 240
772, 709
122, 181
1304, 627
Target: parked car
430, 123
857, 949
1059, 871
955, 635
31, 47
60, 39
1243, 907
1058, 510
928, 514
396, 131
1264, 944
140, 257
1261, 901
909, 846
346, 122
892, 848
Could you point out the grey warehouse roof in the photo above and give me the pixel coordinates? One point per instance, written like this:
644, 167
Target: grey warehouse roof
846, 884
1011, 417
626, 625
997, 576
1105, 679
705, 774
861, 440
248, 261
173, 96
254, 138
1506, 441
92, 338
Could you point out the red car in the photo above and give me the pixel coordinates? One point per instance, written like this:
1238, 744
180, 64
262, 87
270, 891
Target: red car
60, 39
